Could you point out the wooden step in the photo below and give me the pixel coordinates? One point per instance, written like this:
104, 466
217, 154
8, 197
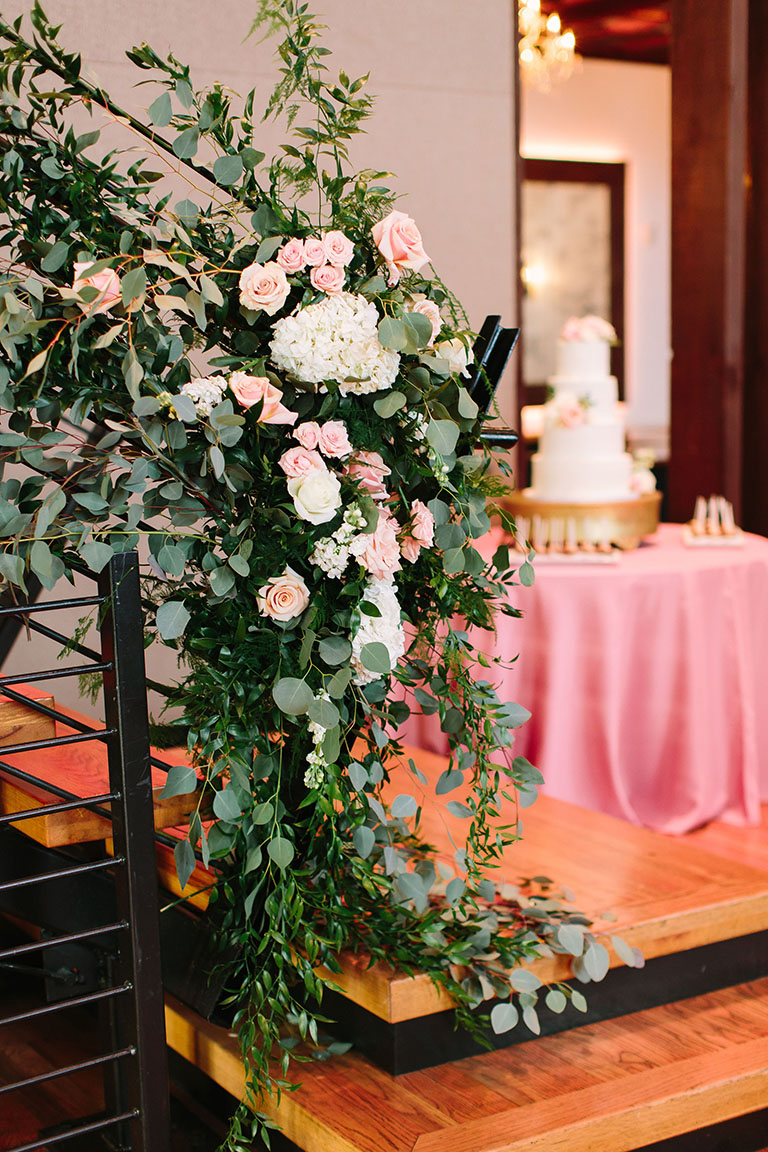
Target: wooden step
662, 894
78, 768
611, 1087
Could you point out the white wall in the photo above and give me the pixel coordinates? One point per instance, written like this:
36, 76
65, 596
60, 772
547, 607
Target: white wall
444, 122
611, 111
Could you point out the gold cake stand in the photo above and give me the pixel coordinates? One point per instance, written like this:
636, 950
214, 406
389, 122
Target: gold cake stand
623, 523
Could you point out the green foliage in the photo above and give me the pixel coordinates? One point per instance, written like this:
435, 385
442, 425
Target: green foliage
122, 326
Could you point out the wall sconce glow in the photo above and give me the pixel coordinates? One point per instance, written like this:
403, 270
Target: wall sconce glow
547, 53
534, 277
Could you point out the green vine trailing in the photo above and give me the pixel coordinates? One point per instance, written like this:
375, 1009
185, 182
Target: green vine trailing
259, 385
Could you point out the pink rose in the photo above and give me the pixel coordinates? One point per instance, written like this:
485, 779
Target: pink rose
379, 552
314, 252
249, 390
283, 597
570, 413
106, 282
327, 278
429, 309
399, 241
307, 434
333, 440
369, 470
300, 461
420, 533
291, 256
339, 249
264, 286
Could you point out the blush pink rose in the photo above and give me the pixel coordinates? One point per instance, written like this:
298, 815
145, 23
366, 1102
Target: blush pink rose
369, 470
339, 249
264, 286
300, 461
328, 278
291, 256
106, 282
307, 434
570, 414
249, 390
420, 533
379, 552
429, 309
314, 252
399, 241
333, 439
283, 597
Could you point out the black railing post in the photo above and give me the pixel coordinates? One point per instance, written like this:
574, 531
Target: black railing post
125, 706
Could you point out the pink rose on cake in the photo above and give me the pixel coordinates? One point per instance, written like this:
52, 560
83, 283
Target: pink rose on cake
642, 481
568, 410
589, 329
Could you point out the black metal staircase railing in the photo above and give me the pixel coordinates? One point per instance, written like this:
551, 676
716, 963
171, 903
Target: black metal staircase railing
130, 994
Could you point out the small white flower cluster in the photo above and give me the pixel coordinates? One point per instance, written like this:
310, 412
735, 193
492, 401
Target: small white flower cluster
335, 339
332, 553
206, 392
316, 763
386, 628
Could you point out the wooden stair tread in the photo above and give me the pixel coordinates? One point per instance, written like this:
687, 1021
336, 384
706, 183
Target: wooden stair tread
82, 770
663, 894
608, 1087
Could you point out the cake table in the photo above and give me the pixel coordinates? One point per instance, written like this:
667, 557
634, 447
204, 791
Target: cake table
645, 680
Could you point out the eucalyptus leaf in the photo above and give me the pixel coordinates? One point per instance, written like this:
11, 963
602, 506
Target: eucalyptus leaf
181, 780
293, 697
504, 1017
172, 619
184, 857
281, 851
364, 840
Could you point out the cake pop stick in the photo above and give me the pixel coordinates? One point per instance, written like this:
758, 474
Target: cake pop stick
699, 522
570, 544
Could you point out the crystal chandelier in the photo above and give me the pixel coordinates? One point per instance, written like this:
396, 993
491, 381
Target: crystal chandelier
547, 53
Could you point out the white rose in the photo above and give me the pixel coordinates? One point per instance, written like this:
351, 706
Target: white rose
455, 352
316, 496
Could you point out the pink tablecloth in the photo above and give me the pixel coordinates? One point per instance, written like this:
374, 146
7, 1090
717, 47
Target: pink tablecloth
646, 681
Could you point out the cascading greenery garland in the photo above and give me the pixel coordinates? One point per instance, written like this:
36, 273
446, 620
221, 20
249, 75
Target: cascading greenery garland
260, 387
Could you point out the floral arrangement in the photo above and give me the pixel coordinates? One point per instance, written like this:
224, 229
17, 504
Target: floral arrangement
268, 401
589, 329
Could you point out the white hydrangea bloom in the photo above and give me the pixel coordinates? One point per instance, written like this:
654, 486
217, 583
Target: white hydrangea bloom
384, 629
206, 392
335, 339
331, 553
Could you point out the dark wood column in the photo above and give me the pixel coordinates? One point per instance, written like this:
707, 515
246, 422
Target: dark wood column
755, 473
709, 163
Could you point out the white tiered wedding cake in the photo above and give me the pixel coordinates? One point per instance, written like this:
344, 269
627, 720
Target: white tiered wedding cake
582, 456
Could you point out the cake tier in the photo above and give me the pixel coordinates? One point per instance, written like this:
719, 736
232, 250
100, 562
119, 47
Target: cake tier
583, 359
587, 441
601, 392
577, 478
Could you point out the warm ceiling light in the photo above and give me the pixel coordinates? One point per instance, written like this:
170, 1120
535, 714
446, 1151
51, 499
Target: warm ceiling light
547, 54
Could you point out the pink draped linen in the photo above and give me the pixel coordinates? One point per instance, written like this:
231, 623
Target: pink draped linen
646, 681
